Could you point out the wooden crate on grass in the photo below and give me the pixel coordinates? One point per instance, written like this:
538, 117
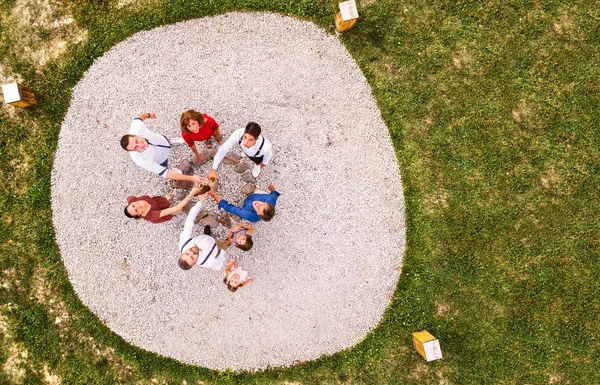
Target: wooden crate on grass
18, 95
427, 345
346, 16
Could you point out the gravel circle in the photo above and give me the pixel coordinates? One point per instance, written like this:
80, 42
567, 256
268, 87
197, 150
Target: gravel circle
325, 267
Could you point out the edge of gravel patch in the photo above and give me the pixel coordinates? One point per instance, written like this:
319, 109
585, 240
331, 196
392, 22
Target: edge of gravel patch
327, 265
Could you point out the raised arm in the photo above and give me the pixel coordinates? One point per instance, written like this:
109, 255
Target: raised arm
147, 115
179, 206
186, 234
177, 176
249, 228
229, 143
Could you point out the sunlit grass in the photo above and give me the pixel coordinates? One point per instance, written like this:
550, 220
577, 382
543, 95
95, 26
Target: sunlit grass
493, 109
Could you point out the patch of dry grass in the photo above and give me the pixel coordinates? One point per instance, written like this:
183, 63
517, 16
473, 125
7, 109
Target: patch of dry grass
41, 30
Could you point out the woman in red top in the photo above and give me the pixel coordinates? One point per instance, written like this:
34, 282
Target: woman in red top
197, 127
155, 209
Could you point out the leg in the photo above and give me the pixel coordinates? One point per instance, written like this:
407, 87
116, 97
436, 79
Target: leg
218, 136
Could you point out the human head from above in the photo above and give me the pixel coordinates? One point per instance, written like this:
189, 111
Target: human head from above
189, 258
251, 133
191, 121
233, 282
133, 143
243, 242
264, 210
136, 209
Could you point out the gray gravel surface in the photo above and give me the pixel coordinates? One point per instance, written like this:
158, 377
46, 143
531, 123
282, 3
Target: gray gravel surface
325, 267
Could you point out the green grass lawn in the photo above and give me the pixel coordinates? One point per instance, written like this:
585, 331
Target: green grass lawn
493, 109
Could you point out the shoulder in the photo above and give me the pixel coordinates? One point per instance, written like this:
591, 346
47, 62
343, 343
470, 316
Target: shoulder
137, 126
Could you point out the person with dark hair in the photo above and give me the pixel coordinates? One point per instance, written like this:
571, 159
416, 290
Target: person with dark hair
202, 250
150, 150
241, 236
197, 127
235, 277
155, 209
253, 145
257, 206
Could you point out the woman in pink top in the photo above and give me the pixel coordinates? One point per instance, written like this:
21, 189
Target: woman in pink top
197, 127
155, 209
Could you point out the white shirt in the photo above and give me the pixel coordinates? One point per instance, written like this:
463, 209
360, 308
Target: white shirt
236, 270
157, 151
234, 139
207, 245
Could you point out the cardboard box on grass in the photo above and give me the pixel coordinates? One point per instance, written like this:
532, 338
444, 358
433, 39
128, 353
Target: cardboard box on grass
427, 345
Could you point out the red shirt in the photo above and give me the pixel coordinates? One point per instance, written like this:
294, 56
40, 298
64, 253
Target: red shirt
204, 133
157, 204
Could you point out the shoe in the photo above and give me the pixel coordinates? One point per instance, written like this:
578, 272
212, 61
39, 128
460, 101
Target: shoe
177, 140
256, 170
175, 169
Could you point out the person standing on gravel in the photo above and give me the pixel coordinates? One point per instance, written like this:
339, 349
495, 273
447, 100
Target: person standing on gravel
155, 209
253, 145
202, 250
197, 127
150, 150
257, 206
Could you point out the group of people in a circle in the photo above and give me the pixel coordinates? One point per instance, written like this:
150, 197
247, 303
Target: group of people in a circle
150, 151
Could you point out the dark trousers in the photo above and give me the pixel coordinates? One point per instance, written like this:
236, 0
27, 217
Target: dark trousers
257, 160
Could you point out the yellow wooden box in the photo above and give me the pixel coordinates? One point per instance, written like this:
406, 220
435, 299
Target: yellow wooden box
427, 345
346, 16
18, 95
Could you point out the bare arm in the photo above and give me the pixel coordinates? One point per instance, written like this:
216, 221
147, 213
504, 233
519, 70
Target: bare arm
195, 151
147, 115
179, 206
177, 176
249, 228
214, 196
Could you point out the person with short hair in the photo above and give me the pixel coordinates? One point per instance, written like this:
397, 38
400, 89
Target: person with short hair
197, 127
256, 206
202, 250
150, 150
155, 209
254, 145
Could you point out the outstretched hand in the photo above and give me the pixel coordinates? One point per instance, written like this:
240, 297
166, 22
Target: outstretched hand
212, 175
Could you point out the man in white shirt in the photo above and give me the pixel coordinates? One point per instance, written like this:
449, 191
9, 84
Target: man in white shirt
254, 145
202, 250
150, 150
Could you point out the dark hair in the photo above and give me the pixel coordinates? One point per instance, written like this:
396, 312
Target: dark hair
125, 141
246, 246
190, 115
183, 264
253, 129
268, 213
231, 288
129, 215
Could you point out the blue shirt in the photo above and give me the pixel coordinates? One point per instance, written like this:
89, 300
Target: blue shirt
247, 212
